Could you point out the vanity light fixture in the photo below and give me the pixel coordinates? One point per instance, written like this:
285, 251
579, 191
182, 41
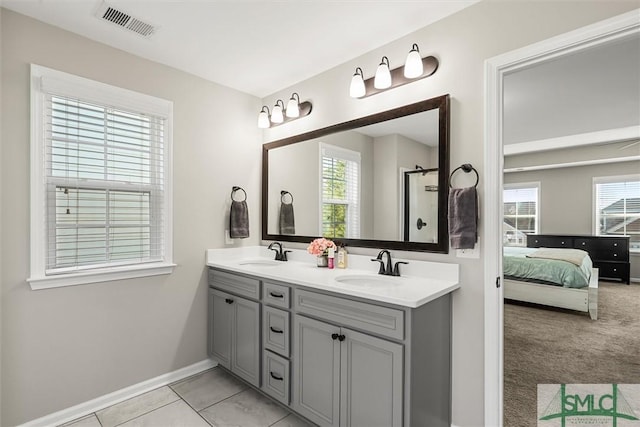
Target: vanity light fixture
293, 106
276, 114
415, 68
413, 65
357, 89
263, 118
383, 75
295, 109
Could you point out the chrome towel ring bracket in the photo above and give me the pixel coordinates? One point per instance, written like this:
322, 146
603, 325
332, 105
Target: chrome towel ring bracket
233, 191
283, 196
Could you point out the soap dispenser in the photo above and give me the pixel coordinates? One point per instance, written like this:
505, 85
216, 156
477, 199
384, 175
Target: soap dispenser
342, 257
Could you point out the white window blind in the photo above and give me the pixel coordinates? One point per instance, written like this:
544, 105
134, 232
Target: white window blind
100, 184
617, 208
340, 170
104, 185
521, 207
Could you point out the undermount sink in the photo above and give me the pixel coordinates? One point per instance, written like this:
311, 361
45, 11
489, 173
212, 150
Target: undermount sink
259, 262
368, 280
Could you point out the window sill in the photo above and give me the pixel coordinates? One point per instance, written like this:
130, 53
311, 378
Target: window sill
104, 275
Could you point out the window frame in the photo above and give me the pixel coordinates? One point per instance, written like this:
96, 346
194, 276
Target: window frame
353, 219
522, 186
69, 85
595, 217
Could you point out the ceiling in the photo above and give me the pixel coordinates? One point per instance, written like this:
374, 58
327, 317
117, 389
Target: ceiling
258, 46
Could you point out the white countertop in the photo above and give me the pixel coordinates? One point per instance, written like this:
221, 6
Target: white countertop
420, 281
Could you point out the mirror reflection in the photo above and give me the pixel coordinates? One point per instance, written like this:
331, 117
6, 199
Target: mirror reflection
374, 182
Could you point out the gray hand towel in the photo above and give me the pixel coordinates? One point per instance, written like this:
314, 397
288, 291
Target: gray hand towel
239, 220
463, 217
287, 220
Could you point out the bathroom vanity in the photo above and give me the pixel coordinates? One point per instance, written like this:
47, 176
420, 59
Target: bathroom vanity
339, 347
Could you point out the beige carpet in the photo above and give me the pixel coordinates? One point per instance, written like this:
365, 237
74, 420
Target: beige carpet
555, 346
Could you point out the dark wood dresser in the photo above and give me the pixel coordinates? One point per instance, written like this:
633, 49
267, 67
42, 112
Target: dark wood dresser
609, 254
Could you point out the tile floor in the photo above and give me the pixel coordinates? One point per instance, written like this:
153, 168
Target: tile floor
211, 398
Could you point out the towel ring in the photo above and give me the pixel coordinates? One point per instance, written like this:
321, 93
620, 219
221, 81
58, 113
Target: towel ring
466, 168
283, 193
236, 188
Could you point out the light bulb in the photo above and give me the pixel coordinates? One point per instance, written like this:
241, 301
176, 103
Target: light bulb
413, 65
357, 89
293, 106
276, 114
263, 118
383, 75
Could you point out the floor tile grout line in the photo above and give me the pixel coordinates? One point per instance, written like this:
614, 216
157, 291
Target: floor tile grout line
146, 413
192, 408
226, 398
277, 421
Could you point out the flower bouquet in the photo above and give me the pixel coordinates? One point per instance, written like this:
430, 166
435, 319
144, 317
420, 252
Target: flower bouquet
320, 248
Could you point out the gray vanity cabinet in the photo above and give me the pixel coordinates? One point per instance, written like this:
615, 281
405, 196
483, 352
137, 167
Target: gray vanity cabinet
234, 334
346, 378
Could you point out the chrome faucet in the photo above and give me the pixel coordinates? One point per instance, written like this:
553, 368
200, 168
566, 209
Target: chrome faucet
388, 270
280, 254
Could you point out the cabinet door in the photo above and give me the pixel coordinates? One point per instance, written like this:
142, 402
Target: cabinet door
220, 318
245, 339
371, 381
316, 371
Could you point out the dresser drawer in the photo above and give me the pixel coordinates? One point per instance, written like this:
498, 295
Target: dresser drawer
234, 283
275, 330
275, 377
367, 317
276, 295
613, 270
535, 241
612, 249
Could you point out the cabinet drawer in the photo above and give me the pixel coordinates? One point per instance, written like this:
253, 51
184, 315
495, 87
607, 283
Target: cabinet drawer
239, 285
367, 317
276, 295
275, 377
275, 332
549, 242
612, 249
613, 270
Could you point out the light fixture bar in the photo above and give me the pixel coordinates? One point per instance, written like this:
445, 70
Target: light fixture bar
305, 109
429, 63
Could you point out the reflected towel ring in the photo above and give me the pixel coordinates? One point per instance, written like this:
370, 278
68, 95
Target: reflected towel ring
236, 188
466, 168
283, 193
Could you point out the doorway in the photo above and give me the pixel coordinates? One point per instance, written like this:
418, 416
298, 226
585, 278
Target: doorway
495, 70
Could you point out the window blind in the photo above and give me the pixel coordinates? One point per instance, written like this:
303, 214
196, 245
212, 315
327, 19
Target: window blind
104, 176
617, 205
340, 192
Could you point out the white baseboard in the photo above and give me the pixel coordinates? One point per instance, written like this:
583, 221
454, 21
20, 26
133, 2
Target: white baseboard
118, 396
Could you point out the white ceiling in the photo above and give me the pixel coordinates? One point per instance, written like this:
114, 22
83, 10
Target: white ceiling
257, 47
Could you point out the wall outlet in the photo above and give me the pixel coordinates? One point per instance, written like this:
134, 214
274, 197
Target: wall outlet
469, 253
227, 238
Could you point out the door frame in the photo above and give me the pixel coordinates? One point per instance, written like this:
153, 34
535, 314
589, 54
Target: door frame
495, 70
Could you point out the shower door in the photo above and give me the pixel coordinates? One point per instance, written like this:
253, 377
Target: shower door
421, 206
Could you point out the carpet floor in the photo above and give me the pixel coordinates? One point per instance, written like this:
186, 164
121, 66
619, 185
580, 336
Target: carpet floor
555, 346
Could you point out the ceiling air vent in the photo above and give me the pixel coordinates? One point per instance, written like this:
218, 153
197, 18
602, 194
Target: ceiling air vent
124, 20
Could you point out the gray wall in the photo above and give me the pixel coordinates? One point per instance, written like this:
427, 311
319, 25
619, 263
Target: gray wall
566, 197
64, 346
462, 42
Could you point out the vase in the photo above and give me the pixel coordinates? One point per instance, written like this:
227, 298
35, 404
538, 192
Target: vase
322, 261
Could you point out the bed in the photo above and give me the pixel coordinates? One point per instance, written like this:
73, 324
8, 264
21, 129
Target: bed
563, 278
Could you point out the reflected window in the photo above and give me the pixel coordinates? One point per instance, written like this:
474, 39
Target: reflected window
521, 207
617, 208
340, 204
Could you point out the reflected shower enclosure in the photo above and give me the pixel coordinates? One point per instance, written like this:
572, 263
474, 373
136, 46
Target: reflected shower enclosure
420, 223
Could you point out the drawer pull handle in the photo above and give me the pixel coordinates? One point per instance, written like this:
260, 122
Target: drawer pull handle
276, 295
276, 330
615, 254
228, 300
334, 336
341, 338
275, 377
615, 270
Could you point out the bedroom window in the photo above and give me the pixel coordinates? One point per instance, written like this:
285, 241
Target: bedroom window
521, 208
617, 208
340, 192
100, 182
